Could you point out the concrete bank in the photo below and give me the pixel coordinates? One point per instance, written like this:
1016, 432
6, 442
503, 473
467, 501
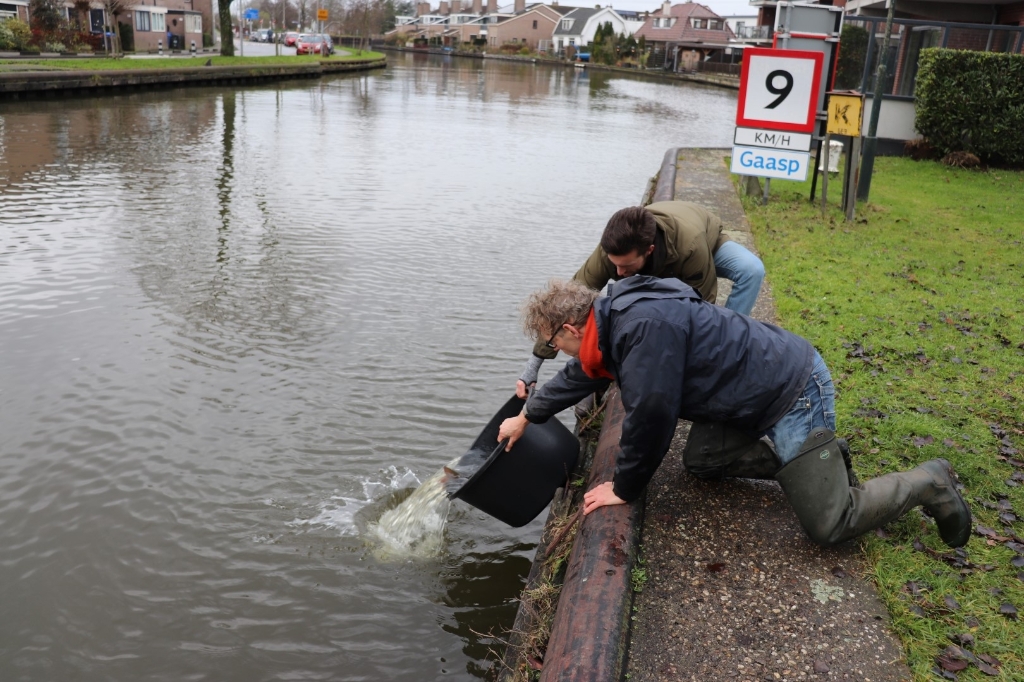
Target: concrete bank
734, 587
724, 584
720, 80
34, 84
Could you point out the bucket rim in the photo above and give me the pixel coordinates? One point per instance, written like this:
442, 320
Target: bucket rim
478, 474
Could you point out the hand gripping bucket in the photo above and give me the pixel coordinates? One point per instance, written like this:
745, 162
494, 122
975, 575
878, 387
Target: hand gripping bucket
516, 486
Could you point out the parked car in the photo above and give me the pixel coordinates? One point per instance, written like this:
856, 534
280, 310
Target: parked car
260, 35
313, 44
290, 37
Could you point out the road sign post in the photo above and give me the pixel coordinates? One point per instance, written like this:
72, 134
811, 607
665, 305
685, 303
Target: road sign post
775, 114
816, 28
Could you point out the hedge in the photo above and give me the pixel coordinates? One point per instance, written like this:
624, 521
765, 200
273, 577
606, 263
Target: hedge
974, 102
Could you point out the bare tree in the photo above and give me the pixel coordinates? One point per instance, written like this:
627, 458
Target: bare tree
113, 8
302, 7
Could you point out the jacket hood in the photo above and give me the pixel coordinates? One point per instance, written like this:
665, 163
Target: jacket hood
628, 291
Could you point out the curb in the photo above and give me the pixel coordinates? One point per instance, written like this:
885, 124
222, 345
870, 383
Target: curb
48, 83
717, 80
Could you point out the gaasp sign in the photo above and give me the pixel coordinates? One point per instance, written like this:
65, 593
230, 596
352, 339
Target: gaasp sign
779, 89
770, 163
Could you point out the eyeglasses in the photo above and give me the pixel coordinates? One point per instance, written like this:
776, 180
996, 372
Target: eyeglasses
549, 343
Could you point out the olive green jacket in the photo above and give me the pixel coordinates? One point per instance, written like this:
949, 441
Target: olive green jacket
688, 236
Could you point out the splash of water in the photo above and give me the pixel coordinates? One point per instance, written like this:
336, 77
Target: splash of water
415, 528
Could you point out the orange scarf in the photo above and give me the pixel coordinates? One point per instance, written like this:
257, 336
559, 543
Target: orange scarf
591, 359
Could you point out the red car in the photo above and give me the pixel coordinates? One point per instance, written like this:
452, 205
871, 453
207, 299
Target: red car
312, 44
290, 38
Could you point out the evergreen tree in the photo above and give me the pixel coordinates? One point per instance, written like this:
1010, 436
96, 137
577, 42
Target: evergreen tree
47, 15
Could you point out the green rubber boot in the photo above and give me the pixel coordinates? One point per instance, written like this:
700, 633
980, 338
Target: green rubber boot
831, 511
717, 451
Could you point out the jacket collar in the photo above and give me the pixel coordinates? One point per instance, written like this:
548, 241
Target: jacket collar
625, 293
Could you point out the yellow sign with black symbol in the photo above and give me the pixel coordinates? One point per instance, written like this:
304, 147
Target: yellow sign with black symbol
321, 15
845, 114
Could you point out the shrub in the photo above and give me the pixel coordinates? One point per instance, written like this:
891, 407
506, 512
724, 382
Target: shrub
14, 34
55, 47
973, 102
852, 53
127, 34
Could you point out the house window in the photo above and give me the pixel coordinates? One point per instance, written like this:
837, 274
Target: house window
535, 24
96, 20
142, 21
566, 24
193, 23
715, 24
697, 23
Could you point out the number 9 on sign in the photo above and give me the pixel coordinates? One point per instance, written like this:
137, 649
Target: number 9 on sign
779, 89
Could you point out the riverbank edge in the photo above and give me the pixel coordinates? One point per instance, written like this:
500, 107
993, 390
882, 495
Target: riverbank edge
607, 592
34, 84
719, 80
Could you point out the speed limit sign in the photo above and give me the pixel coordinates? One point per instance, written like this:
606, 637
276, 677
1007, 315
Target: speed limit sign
779, 89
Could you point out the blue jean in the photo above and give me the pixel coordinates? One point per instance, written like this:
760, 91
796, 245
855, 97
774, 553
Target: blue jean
815, 407
734, 262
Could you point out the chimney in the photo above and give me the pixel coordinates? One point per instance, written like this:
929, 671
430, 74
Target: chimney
478, 7
455, 7
443, 8
666, 8
492, 6
520, 6
424, 9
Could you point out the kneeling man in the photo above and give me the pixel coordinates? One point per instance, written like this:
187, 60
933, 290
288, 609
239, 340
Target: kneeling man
676, 356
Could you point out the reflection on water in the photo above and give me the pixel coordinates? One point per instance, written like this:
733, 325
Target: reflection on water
238, 326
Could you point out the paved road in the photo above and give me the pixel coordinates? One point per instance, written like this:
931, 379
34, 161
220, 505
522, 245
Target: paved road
251, 49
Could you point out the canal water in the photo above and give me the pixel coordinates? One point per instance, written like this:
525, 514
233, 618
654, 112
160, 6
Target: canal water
238, 325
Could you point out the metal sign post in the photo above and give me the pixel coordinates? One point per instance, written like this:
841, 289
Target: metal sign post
846, 117
815, 28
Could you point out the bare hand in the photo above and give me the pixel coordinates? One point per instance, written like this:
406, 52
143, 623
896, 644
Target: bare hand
601, 496
512, 428
521, 390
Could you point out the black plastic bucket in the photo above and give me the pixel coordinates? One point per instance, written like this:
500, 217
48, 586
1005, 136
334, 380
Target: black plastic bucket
517, 485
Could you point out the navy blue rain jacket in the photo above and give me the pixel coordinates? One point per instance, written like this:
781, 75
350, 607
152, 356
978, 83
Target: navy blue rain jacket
677, 356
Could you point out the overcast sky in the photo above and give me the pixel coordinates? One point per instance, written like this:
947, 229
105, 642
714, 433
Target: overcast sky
721, 7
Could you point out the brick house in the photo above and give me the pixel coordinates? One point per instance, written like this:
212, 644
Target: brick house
14, 9
680, 36
186, 20
175, 23
532, 27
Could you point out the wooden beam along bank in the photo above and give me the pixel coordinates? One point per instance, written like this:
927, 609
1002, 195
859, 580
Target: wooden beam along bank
591, 627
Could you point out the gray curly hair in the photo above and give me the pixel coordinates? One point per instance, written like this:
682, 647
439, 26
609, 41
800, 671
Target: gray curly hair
562, 302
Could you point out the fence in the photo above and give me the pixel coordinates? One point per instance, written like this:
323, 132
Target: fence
862, 42
761, 33
718, 67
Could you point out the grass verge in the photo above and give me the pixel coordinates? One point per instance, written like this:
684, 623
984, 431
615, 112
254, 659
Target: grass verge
918, 308
103, 64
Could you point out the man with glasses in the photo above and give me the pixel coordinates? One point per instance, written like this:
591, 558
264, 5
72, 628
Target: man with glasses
673, 355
